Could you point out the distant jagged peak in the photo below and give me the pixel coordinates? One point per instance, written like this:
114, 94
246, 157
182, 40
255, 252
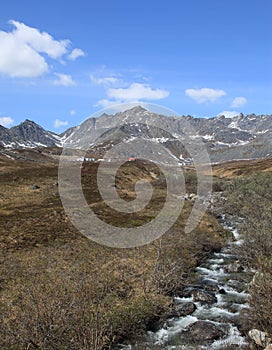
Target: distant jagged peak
133, 110
28, 121
228, 115
137, 109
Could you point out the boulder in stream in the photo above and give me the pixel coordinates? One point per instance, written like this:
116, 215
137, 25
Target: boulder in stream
183, 309
260, 338
210, 286
268, 347
244, 321
202, 331
236, 267
204, 297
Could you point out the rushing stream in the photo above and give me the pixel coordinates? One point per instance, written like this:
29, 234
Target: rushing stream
221, 277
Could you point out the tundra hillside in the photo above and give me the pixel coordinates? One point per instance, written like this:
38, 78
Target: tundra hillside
59, 290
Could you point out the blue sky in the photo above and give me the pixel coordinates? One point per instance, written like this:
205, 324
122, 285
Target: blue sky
61, 61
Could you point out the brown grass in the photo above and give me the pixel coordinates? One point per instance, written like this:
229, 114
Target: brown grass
242, 167
59, 290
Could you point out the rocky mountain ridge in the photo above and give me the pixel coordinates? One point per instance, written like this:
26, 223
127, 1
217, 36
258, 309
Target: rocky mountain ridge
240, 137
28, 134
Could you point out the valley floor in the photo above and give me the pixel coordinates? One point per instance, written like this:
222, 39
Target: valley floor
59, 290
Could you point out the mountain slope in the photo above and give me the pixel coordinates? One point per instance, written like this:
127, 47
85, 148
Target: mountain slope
241, 137
28, 135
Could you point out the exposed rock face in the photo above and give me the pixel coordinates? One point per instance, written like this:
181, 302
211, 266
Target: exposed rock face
241, 137
28, 135
5, 136
225, 138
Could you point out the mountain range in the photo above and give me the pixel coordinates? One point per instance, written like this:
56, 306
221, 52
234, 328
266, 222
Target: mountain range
240, 137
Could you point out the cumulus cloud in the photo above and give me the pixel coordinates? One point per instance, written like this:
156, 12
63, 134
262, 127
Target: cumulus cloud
134, 93
6, 121
18, 59
228, 114
75, 54
137, 91
24, 51
58, 123
40, 41
238, 102
205, 94
72, 112
64, 80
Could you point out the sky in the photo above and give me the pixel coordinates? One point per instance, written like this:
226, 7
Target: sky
62, 61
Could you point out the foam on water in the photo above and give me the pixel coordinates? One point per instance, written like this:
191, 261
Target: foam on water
178, 325
234, 338
220, 313
210, 272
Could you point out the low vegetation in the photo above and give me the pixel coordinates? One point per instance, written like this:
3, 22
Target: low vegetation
59, 290
251, 198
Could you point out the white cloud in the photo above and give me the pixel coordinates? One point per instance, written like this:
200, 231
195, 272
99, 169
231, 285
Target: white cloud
104, 81
228, 114
64, 80
18, 59
238, 102
58, 123
137, 91
205, 94
6, 121
75, 54
40, 41
24, 51
72, 112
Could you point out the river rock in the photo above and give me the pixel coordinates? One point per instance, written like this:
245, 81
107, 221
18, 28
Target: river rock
259, 337
154, 324
238, 285
204, 297
202, 331
183, 309
210, 286
268, 347
34, 187
222, 291
234, 268
244, 321
187, 291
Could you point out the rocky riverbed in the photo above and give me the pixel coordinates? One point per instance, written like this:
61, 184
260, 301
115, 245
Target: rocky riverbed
207, 314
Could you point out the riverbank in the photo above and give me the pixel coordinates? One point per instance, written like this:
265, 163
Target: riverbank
230, 305
210, 313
